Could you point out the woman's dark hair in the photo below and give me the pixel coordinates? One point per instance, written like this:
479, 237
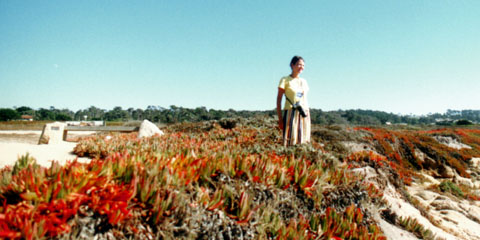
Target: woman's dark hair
295, 59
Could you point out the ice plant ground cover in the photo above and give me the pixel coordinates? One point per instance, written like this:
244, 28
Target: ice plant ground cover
201, 181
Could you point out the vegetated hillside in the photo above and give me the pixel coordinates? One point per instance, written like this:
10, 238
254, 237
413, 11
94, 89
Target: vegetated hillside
232, 179
177, 114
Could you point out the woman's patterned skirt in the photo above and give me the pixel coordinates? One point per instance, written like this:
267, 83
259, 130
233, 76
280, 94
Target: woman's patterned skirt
296, 129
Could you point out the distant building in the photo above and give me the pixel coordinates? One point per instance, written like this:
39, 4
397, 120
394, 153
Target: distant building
443, 120
27, 118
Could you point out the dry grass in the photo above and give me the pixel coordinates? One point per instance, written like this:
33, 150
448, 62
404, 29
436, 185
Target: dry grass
23, 125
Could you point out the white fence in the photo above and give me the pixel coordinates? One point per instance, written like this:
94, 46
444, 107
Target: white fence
85, 123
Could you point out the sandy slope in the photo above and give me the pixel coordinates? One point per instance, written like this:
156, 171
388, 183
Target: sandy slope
12, 148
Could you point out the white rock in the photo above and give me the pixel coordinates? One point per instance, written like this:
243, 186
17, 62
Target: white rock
367, 171
52, 133
392, 231
357, 147
464, 227
420, 155
475, 162
450, 142
431, 180
446, 171
472, 210
405, 209
148, 129
444, 204
463, 181
426, 195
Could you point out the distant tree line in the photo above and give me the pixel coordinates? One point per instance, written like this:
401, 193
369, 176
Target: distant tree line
175, 114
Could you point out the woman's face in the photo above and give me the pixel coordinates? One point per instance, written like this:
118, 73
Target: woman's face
298, 67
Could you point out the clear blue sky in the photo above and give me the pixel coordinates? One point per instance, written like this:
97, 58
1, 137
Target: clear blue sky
403, 57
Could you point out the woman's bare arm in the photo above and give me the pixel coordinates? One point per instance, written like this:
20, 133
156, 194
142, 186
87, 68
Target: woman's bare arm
279, 107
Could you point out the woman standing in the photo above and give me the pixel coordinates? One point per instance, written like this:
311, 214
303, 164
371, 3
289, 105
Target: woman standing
296, 128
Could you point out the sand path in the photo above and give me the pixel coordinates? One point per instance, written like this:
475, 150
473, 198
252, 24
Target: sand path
11, 149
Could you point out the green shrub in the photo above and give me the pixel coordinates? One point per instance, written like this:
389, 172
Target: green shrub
24, 161
463, 122
448, 186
